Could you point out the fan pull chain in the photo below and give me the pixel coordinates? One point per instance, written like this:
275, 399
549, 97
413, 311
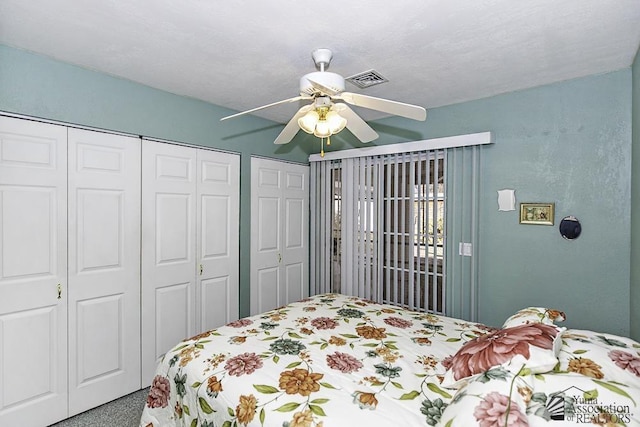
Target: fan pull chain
322, 145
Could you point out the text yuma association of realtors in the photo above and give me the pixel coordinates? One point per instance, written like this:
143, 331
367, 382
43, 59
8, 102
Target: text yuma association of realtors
590, 410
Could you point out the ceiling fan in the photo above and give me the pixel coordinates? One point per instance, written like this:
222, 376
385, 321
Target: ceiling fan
329, 112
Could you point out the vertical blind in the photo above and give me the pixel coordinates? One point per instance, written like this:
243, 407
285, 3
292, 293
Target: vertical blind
413, 230
387, 228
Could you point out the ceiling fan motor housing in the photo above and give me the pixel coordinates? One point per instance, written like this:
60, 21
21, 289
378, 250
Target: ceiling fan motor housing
331, 80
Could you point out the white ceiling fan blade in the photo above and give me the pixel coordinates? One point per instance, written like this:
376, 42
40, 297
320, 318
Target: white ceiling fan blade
358, 127
292, 128
284, 101
396, 108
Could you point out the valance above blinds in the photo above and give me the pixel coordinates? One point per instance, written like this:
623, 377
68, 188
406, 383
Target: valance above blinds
408, 147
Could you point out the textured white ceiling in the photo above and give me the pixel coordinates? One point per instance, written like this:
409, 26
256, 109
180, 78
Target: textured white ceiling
246, 53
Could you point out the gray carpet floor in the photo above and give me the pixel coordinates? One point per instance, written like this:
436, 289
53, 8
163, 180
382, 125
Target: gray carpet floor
123, 412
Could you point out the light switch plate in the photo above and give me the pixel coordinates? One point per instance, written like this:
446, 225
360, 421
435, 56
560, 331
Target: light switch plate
465, 249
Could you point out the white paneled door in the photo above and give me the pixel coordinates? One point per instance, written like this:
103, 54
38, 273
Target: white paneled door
33, 273
104, 267
168, 249
279, 230
190, 204
218, 228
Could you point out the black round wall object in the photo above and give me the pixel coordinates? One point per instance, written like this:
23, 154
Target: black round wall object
570, 227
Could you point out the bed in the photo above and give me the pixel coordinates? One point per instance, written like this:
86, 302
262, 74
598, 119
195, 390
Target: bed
336, 360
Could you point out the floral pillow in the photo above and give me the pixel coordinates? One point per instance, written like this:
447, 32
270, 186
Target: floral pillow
532, 346
547, 316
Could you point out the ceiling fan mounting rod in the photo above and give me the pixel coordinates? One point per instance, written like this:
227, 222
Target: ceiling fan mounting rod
322, 58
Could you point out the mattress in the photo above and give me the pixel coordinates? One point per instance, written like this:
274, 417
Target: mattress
337, 360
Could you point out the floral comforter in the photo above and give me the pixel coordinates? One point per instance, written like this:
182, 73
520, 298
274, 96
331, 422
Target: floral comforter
335, 360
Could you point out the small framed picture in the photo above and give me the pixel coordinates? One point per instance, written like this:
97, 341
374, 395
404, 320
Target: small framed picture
536, 213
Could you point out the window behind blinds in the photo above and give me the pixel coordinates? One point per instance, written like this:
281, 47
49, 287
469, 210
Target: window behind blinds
385, 229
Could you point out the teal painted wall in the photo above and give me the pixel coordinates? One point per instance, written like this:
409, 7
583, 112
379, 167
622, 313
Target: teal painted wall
635, 204
568, 143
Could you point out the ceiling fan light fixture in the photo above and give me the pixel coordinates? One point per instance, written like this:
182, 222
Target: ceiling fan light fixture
322, 129
322, 122
308, 122
336, 121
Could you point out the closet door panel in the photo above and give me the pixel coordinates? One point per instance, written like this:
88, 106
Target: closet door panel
268, 232
173, 230
295, 250
279, 226
266, 289
266, 229
104, 267
39, 325
168, 250
218, 303
218, 276
31, 225
33, 273
294, 278
173, 303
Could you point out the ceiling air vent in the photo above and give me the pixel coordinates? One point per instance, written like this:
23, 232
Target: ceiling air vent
366, 79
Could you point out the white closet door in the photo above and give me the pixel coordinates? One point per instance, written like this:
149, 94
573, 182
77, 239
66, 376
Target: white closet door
33, 273
295, 228
168, 250
104, 268
279, 229
218, 220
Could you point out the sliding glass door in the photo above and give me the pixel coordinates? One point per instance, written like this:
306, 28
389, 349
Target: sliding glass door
391, 211
387, 227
